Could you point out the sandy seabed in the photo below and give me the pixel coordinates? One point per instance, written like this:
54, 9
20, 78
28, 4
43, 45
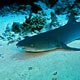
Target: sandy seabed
15, 64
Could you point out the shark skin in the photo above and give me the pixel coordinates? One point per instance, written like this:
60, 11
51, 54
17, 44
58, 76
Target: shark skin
53, 39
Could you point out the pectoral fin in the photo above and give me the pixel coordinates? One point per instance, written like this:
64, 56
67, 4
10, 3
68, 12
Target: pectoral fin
64, 46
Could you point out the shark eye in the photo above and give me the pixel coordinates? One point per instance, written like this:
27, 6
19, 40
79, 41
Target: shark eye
31, 45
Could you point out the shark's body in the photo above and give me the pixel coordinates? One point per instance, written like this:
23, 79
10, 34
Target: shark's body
53, 39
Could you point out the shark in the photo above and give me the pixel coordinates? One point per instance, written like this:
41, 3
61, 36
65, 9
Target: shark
53, 39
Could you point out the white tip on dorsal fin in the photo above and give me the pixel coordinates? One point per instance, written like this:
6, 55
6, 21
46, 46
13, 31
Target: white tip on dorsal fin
72, 18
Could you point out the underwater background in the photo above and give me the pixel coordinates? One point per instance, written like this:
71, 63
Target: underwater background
23, 18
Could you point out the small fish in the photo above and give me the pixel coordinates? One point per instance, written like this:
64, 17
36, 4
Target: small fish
53, 39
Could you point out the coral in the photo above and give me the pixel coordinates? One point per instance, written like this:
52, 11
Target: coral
54, 21
50, 3
19, 8
15, 9
17, 27
68, 6
35, 8
31, 24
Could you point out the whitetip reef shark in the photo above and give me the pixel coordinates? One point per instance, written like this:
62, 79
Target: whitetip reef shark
53, 39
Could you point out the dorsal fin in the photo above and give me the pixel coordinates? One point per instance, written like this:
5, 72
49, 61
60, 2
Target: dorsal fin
72, 18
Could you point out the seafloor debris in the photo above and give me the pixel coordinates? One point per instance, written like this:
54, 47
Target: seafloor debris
2, 38
30, 68
55, 73
54, 78
1, 55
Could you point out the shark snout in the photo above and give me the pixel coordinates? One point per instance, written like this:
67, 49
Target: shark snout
20, 44
25, 46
